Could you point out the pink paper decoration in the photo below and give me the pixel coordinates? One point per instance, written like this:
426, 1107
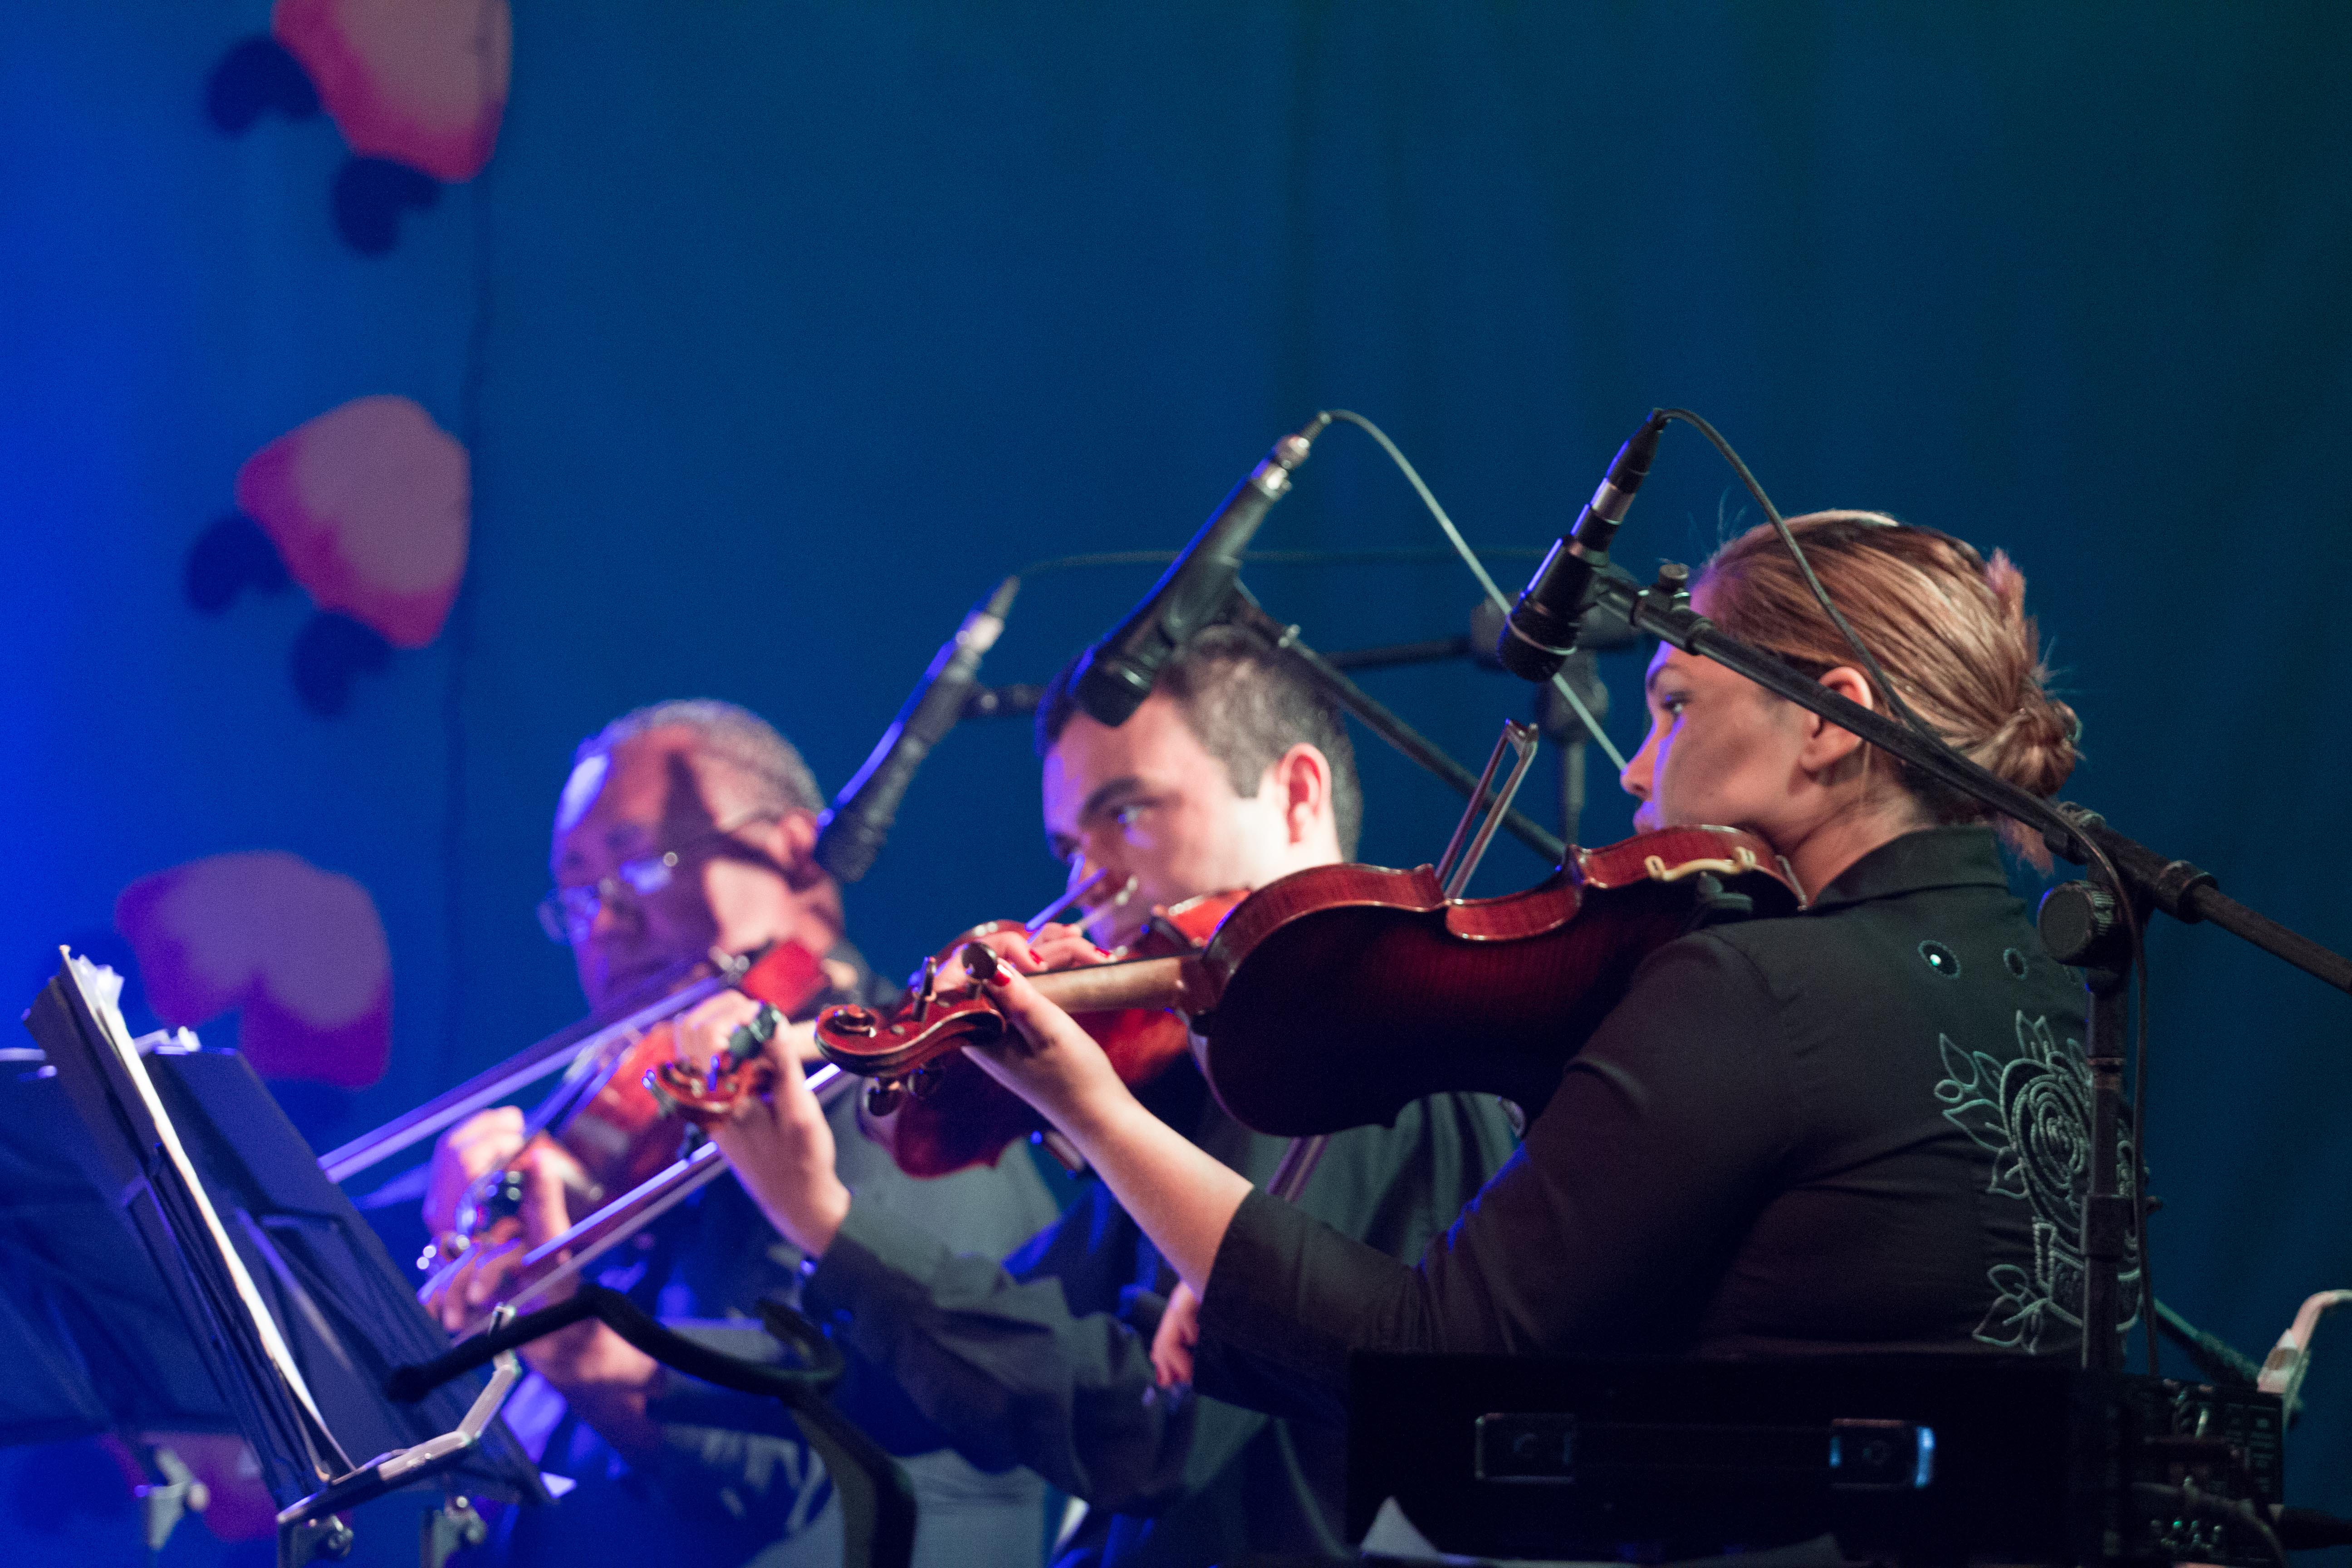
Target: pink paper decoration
300, 951
420, 82
368, 506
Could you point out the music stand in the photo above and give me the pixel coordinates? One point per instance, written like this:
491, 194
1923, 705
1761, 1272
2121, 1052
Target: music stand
220, 1280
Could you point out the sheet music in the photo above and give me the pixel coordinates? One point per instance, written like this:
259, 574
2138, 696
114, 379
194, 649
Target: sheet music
101, 990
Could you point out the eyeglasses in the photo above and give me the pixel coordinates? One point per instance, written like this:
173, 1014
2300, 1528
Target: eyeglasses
568, 914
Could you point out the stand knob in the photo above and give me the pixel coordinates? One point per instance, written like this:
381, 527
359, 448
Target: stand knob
2077, 922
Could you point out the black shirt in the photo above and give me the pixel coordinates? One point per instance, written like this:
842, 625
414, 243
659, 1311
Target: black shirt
1045, 1361
1860, 1127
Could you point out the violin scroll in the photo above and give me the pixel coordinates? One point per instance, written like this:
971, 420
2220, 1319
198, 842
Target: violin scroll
739, 1071
937, 1112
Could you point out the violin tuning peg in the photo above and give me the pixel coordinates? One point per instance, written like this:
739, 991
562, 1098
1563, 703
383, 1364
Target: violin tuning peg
661, 1094
979, 961
928, 989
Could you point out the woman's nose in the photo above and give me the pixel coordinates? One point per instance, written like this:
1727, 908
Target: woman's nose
1638, 775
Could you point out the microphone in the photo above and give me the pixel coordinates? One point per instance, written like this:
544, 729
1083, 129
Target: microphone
1541, 630
850, 834
1117, 673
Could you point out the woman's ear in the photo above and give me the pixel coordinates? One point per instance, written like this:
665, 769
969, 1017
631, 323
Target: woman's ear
1826, 746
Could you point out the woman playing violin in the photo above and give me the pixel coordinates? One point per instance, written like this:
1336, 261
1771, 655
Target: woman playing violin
1855, 1127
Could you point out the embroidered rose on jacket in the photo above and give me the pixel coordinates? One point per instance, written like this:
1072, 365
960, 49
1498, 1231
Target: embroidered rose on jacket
2032, 1114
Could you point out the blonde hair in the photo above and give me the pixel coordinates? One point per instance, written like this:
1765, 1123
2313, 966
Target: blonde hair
1949, 627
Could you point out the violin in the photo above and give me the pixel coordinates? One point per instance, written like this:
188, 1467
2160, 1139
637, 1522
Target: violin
948, 1114
943, 1114
1338, 995
607, 1130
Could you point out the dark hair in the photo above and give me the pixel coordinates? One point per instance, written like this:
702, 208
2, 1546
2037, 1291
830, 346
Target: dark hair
1247, 702
1948, 626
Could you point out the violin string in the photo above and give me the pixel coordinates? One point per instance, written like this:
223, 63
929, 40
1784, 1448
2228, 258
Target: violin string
1470, 558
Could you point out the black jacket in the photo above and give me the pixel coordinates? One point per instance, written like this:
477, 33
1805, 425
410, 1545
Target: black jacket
1855, 1128
1045, 1361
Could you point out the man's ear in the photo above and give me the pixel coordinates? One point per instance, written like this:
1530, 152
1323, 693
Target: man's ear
1303, 776
1827, 746
794, 844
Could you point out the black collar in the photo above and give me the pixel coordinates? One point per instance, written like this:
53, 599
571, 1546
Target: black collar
1963, 856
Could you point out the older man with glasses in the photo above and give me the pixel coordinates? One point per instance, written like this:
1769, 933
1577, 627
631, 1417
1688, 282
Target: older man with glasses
686, 827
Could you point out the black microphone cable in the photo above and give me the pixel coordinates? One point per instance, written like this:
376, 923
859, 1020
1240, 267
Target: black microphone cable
1469, 558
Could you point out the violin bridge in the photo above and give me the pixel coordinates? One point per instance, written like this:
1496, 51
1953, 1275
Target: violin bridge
1488, 808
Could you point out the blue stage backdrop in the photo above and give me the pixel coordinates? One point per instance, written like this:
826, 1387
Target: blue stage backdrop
768, 337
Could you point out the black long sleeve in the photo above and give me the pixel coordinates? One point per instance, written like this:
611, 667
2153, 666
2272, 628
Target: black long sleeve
1649, 1157
1035, 1362
1840, 1130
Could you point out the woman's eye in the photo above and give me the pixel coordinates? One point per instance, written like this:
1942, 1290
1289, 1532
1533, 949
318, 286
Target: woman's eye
1128, 816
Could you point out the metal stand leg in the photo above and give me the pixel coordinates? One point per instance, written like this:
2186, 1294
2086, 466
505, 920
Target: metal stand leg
2079, 926
1571, 791
170, 1494
302, 1543
450, 1529
2106, 1209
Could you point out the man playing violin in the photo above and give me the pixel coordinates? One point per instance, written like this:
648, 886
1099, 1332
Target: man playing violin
1233, 772
685, 826
1855, 1127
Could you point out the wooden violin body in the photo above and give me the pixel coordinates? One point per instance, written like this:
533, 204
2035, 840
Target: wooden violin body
1345, 993
937, 1112
1336, 995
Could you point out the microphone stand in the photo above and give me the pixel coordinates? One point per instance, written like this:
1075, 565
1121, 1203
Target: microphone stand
2078, 920
1245, 611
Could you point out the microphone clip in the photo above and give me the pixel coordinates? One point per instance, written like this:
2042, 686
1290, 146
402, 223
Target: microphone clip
1540, 631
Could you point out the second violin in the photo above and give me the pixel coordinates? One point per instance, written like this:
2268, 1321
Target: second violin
942, 1114
605, 1129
